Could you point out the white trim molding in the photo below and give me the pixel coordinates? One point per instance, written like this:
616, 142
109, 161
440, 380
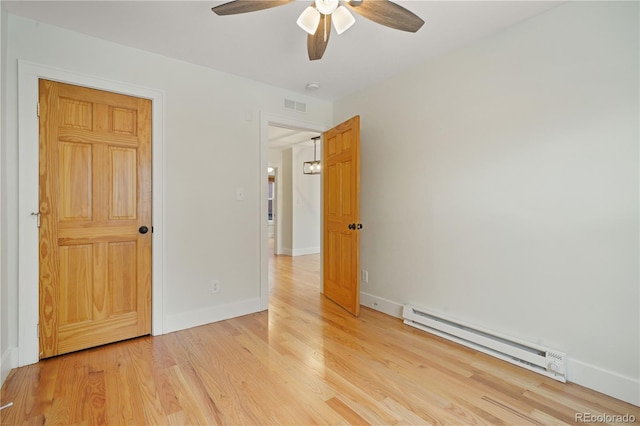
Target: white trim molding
306, 251
381, 304
299, 252
185, 320
608, 382
28, 75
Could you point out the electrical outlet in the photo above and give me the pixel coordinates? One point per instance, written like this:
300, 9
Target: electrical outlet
215, 286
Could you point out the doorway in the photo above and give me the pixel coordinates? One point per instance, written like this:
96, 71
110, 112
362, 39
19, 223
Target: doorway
284, 144
293, 197
28, 146
338, 200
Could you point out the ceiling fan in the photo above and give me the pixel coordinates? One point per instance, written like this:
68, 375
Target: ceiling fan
316, 19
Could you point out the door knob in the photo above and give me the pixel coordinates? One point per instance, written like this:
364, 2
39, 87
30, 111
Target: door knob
359, 226
352, 226
143, 230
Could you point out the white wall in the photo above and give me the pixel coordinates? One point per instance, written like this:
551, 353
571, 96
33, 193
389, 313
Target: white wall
306, 203
275, 157
300, 203
285, 200
500, 187
7, 310
211, 148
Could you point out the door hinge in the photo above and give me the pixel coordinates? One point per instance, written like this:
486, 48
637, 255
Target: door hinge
37, 215
38, 109
38, 330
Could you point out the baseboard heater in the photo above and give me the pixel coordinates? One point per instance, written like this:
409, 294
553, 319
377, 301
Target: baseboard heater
536, 358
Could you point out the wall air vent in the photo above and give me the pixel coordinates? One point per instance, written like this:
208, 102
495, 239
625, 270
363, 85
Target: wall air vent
295, 106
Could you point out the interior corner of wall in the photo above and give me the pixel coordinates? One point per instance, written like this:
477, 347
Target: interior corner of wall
605, 381
381, 304
8, 362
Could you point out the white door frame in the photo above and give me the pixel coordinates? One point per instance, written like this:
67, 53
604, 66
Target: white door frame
267, 120
28, 199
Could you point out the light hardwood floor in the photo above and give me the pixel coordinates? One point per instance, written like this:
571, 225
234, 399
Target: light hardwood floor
304, 362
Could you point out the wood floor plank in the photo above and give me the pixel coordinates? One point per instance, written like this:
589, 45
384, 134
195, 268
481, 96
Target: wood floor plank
346, 412
191, 392
146, 373
124, 401
24, 396
305, 361
312, 366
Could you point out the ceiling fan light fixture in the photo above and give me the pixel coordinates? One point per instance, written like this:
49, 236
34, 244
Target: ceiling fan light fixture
327, 7
309, 20
342, 19
323, 12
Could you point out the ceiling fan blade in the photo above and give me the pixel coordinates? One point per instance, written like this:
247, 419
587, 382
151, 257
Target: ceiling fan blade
317, 43
243, 6
387, 13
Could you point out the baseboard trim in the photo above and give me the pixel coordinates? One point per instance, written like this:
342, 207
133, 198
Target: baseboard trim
621, 387
299, 252
306, 251
208, 315
381, 304
8, 362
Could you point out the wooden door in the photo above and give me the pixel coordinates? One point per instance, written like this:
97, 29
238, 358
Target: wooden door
95, 199
341, 195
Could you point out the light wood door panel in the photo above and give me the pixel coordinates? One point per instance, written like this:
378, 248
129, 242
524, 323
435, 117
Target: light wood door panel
95, 194
341, 253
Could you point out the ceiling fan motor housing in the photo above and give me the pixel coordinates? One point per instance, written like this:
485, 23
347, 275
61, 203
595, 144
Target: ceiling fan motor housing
326, 7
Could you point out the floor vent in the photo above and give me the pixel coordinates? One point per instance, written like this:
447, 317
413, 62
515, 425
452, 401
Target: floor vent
545, 361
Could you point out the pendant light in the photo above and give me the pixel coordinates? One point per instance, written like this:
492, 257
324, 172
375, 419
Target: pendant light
312, 167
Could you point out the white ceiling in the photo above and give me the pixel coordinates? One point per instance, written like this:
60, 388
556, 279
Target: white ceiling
268, 46
282, 137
